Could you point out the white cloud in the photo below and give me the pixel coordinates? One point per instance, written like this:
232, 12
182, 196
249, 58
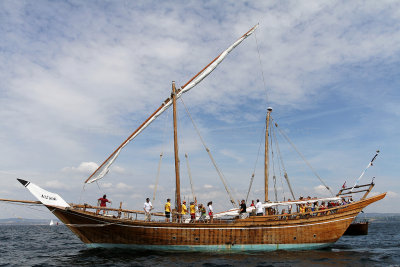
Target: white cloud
124, 187
232, 155
389, 194
321, 190
118, 169
84, 167
56, 185
107, 185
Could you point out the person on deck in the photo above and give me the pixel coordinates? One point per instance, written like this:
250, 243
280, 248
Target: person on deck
192, 209
102, 202
210, 211
242, 209
184, 211
168, 210
202, 211
259, 208
147, 208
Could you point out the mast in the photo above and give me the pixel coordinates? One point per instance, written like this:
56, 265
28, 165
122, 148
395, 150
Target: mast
266, 153
177, 178
103, 169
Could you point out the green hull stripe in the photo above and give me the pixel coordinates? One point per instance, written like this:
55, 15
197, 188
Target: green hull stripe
215, 248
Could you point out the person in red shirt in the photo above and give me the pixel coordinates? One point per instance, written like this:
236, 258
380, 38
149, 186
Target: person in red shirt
103, 200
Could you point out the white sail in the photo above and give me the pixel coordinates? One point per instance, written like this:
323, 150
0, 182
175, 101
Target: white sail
104, 167
51, 223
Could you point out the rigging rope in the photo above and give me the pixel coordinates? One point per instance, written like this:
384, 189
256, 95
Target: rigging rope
266, 100
221, 176
281, 161
157, 177
261, 68
190, 176
188, 169
161, 157
362, 174
255, 165
301, 155
273, 164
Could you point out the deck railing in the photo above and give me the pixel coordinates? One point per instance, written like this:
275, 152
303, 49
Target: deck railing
139, 215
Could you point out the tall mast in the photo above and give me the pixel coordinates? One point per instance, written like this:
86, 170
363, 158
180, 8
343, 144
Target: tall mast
266, 153
103, 169
177, 178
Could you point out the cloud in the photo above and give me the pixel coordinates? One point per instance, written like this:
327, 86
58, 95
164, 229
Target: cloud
232, 155
389, 194
107, 185
56, 185
84, 167
124, 187
392, 194
321, 190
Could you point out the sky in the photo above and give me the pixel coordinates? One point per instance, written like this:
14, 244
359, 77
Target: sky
77, 77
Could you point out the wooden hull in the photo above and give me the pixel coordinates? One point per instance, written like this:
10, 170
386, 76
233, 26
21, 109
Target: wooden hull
259, 233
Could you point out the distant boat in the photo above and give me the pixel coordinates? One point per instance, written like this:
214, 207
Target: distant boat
51, 223
357, 228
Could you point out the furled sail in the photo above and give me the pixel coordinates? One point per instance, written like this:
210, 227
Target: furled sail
235, 212
103, 169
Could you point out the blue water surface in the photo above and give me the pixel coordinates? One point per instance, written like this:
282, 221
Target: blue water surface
44, 245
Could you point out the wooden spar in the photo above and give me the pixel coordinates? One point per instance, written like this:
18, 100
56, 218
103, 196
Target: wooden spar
348, 190
86, 207
20, 201
369, 189
166, 102
177, 178
266, 154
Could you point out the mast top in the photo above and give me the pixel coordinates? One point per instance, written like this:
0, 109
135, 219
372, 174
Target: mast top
269, 109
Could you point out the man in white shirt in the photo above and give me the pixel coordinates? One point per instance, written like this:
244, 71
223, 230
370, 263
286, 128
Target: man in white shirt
259, 208
147, 208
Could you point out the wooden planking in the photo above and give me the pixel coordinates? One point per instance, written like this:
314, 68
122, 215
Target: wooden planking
261, 230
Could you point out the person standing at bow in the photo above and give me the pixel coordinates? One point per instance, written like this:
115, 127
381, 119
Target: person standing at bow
102, 202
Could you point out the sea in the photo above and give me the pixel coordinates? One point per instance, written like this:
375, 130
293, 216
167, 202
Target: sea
45, 245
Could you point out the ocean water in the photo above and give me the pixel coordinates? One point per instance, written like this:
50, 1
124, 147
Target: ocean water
43, 245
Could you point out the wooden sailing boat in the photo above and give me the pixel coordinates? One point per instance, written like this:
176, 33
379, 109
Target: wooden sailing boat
122, 228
